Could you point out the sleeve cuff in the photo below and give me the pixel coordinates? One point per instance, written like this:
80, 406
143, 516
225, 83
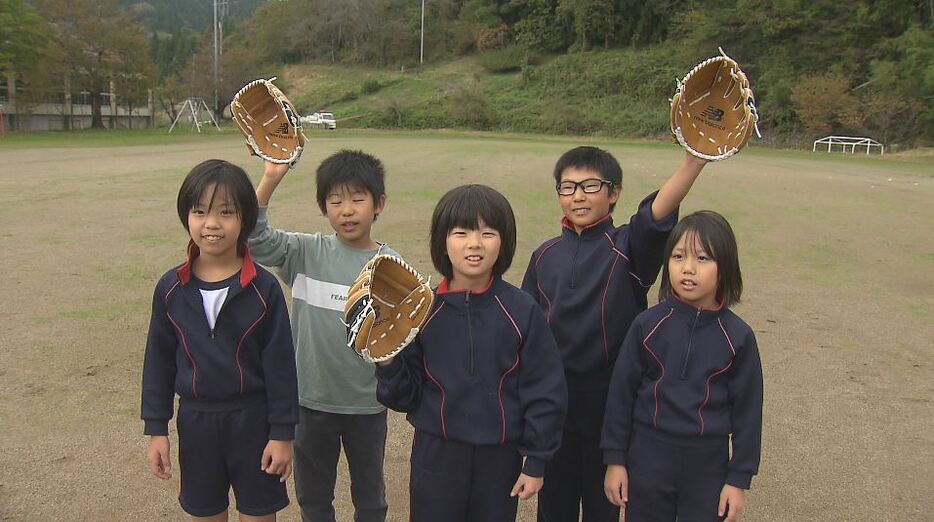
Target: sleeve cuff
534, 467
389, 371
281, 432
156, 427
739, 479
614, 457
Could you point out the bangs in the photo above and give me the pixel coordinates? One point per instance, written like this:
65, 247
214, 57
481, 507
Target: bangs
351, 186
217, 190
217, 194
694, 238
468, 211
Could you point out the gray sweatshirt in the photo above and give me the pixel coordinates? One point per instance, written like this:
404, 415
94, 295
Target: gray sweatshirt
319, 269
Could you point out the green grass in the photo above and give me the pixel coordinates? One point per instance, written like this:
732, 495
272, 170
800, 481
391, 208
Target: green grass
112, 137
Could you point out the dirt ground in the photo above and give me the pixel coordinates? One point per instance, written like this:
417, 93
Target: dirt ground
837, 254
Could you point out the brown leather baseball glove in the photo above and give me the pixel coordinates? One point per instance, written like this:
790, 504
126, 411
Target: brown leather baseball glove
713, 112
386, 306
268, 122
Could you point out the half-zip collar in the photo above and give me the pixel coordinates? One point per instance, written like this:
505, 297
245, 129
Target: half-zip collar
696, 317
591, 231
460, 299
694, 314
247, 273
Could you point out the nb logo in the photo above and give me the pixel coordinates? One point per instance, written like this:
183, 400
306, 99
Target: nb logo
712, 113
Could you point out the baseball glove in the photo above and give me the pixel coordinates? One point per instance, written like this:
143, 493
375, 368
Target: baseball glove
386, 306
267, 120
713, 111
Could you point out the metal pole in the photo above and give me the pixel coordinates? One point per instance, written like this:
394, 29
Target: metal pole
215, 54
421, 58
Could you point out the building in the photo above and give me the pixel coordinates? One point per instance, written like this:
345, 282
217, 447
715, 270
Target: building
70, 112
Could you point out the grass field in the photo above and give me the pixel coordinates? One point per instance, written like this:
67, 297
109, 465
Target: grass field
837, 253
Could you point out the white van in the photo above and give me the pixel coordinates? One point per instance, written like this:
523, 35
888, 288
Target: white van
327, 119
321, 119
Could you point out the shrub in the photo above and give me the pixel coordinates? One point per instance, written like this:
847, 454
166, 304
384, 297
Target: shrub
510, 59
371, 85
469, 107
492, 38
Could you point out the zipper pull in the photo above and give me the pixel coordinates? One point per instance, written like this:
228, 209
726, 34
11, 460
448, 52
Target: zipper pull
212, 333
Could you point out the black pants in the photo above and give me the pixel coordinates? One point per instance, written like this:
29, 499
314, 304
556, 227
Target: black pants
456, 482
574, 477
669, 480
318, 440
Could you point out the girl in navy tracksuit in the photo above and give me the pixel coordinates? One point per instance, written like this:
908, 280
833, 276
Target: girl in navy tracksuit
687, 384
219, 338
482, 383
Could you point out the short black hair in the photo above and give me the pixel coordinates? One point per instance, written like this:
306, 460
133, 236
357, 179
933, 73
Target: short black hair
353, 168
591, 158
716, 237
235, 183
466, 206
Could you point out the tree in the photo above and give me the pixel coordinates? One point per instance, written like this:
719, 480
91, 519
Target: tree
241, 63
905, 70
24, 38
541, 28
592, 20
824, 104
100, 43
171, 53
644, 21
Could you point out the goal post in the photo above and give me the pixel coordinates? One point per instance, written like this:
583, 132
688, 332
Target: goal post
848, 144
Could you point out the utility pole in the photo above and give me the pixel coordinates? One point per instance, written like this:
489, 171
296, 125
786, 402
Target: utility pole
218, 45
421, 58
215, 56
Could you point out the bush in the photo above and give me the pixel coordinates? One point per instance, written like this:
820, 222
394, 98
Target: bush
510, 59
371, 85
348, 96
560, 117
492, 37
469, 107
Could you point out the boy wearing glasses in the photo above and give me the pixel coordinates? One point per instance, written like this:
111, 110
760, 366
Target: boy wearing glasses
592, 281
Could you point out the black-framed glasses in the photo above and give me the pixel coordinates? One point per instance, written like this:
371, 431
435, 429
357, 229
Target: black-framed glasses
589, 186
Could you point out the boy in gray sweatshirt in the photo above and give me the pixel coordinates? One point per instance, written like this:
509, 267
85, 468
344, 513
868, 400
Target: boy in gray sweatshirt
336, 389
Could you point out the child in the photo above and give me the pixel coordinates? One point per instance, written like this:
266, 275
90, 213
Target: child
219, 337
688, 378
337, 390
591, 281
482, 382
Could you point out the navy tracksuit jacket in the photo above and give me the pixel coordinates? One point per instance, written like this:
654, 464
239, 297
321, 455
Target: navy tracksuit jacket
248, 356
484, 370
688, 375
593, 284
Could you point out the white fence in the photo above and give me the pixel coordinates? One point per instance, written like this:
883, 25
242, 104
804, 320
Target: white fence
849, 144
